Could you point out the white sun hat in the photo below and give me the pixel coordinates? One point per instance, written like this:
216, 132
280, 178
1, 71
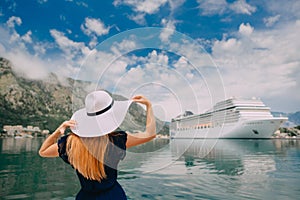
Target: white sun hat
101, 115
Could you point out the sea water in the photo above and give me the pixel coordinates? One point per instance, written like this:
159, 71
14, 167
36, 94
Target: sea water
164, 169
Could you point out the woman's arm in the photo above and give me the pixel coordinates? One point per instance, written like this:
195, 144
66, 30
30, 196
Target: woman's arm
49, 147
150, 132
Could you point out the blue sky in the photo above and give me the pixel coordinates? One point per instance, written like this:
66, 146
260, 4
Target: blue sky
252, 47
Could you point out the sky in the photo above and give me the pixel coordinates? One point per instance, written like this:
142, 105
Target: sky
181, 54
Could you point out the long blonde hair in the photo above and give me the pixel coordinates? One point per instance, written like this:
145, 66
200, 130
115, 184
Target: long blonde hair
87, 155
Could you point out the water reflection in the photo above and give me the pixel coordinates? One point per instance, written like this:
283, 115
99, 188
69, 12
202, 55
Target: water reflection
25, 175
12, 145
230, 157
210, 156
215, 169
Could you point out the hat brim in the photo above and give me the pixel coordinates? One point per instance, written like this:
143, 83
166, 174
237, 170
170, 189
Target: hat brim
98, 125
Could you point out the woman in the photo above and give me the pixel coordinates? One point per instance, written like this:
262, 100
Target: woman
95, 147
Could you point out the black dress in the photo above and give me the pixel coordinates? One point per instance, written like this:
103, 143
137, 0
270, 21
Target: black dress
108, 188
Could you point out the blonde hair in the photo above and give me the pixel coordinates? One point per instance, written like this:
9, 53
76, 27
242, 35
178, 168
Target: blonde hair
87, 155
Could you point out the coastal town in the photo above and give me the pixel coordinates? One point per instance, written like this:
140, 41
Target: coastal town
18, 131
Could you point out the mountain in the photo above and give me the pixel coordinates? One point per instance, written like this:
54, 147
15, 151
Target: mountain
47, 103
293, 118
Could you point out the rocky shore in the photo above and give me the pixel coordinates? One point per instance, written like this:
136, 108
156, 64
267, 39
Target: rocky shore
290, 132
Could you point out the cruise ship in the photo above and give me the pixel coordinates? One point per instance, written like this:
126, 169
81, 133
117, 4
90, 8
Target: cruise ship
231, 118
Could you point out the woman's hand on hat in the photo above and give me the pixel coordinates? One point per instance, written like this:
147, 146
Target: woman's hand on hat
141, 99
65, 125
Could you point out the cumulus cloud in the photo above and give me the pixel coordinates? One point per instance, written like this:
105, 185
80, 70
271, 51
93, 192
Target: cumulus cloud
27, 55
15, 48
241, 7
174, 85
212, 7
27, 37
246, 29
23, 63
69, 47
12, 21
289, 10
94, 26
169, 28
123, 47
26, 65
143, 6
264, 64
174, 4
270, 21
170, 87
219, 7
138, 18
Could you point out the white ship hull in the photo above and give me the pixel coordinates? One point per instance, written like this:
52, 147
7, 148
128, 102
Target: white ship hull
231, 118
262, 128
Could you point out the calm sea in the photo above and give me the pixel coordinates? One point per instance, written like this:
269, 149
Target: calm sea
164, 169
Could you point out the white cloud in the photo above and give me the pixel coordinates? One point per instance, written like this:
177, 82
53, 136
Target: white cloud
270, 21
69, 47
93, 42
175, 4
14, 36
28, 56
12, 21
219, 7
211, 7
289, 10
138, 18
264, 64
123, 47
172, 85
246, 29
94, 26
146, 7
169, 28
40, 48
241, 7
143, 6
27, 37
26, 65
